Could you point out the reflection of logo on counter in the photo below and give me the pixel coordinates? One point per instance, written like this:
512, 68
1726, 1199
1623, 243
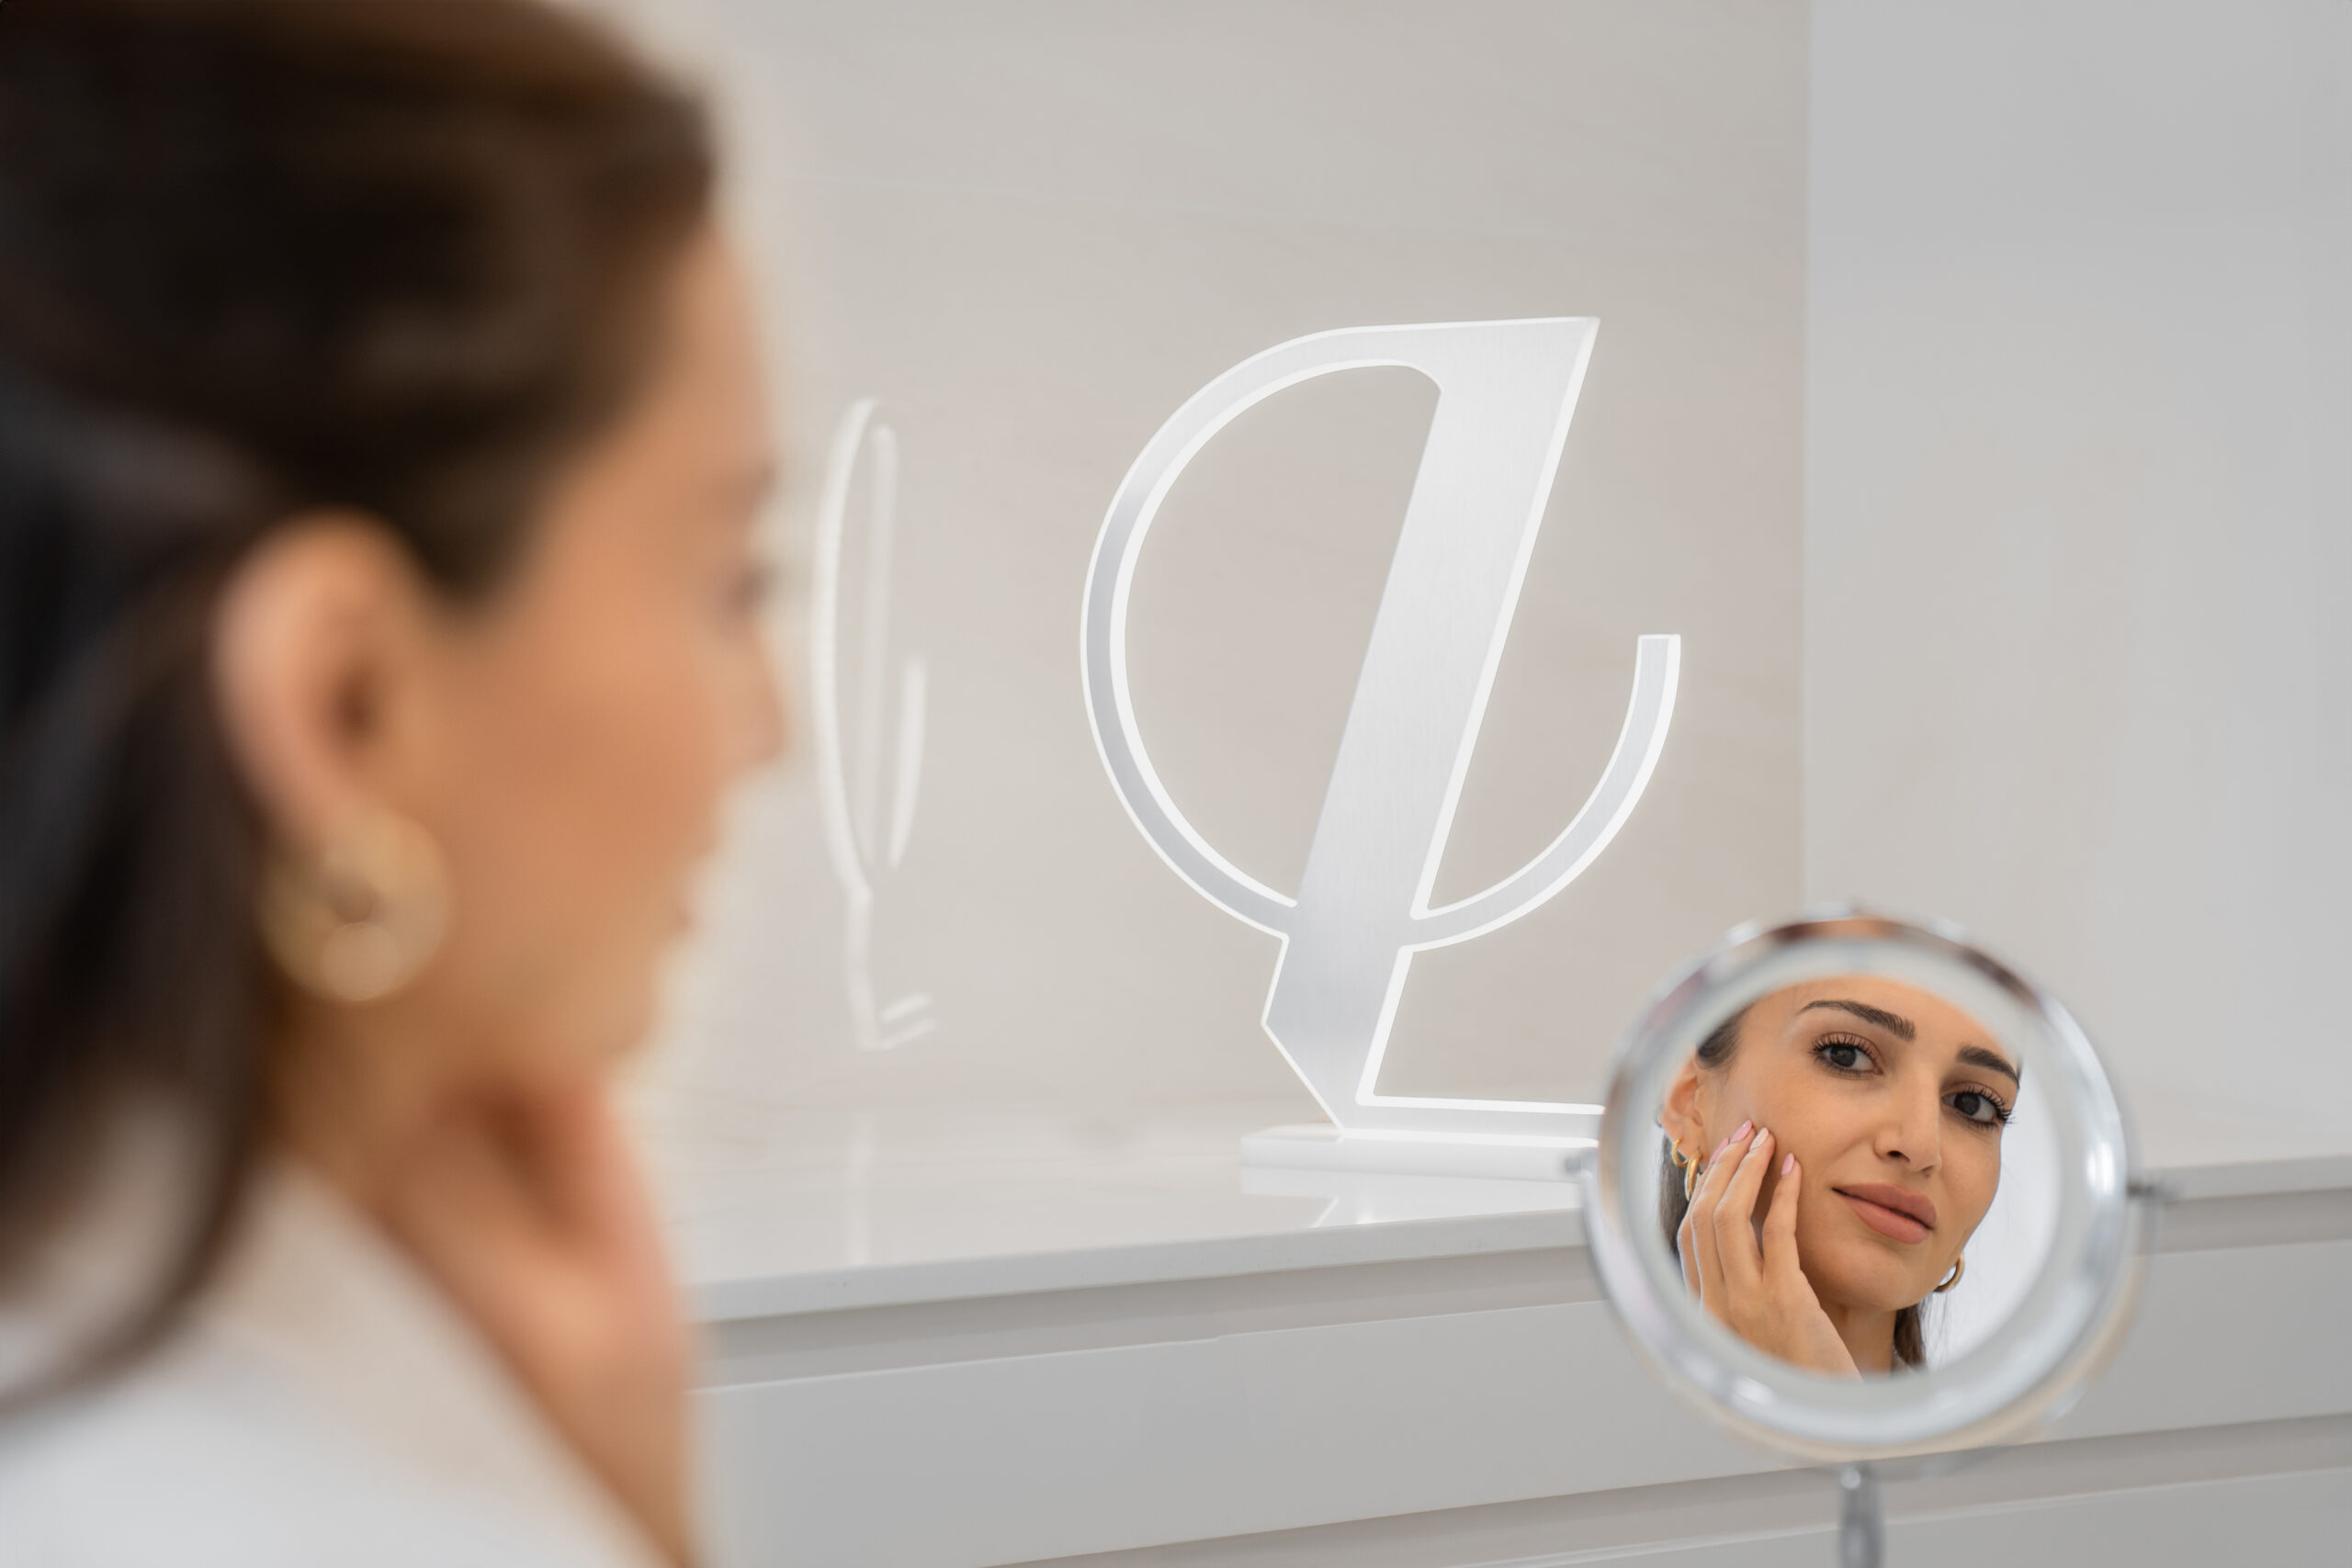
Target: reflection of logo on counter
866, 839
1505, 391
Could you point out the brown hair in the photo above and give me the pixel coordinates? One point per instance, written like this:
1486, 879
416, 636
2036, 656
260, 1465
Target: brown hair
1714, 1055
258, 256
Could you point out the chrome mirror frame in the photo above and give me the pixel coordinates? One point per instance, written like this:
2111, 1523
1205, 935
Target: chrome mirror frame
2040, 1359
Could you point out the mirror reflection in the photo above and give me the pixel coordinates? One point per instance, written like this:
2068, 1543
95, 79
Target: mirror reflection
1832, 1152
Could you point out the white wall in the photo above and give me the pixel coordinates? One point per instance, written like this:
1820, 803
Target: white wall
2066, 304
2079, 518
1034, 228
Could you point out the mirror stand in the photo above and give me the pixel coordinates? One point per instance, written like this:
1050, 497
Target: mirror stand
1862, 1518
1943, 1002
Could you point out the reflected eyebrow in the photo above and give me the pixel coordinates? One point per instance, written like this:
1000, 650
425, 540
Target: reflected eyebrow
1894, 1023
1991, 1061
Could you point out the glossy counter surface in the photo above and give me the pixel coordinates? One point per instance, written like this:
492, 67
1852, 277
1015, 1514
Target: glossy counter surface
959, 1341
826, 1210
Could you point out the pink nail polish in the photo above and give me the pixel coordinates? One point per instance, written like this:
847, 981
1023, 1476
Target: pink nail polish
1745, 1127
1787, 1164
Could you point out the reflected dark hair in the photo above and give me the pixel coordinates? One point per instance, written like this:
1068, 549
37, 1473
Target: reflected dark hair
258, 256
1714, 1055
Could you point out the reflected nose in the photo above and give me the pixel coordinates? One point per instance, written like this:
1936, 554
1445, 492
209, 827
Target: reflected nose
1913, 1131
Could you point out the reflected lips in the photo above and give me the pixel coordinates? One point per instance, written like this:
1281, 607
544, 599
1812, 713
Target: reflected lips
1890, 1211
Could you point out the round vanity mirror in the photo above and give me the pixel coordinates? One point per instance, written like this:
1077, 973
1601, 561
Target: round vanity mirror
1862, 1191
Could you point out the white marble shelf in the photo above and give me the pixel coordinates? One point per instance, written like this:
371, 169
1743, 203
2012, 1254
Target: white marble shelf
963, 1279
834, 1211
1069, 1338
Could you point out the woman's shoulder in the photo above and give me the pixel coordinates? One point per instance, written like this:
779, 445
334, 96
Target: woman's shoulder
321, 1406
200, 1456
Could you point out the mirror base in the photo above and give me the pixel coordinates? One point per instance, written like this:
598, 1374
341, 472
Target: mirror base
1862, 1518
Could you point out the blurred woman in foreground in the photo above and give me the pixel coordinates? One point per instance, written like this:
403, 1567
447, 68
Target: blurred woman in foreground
380, 441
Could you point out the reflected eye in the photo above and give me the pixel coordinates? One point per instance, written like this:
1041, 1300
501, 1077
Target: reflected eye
1979, 1108
1843, 1055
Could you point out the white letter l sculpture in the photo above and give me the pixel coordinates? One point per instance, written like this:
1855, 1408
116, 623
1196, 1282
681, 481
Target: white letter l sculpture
1506, 392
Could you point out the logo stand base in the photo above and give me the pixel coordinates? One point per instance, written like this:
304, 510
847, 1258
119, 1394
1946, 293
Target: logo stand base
1318, 1145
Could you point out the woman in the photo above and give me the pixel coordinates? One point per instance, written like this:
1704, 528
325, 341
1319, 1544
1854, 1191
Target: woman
1830, 1150
379, 442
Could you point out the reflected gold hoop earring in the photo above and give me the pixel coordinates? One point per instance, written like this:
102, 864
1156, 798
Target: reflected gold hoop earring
358, 920
1689, 1165
1959, 1267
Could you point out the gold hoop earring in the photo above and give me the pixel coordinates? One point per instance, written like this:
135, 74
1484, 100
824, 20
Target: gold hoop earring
1689, 1165
1959, 1267
361, 919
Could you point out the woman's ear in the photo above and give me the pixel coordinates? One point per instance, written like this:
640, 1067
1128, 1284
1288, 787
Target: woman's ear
318, 654
1684, 1114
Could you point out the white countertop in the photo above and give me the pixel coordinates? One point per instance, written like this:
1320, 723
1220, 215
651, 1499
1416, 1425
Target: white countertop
775, 1211
838, 1209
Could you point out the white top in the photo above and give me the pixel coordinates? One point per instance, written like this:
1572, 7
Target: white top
323, 1404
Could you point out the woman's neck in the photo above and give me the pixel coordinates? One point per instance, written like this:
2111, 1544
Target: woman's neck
1868, 1334
347, 1100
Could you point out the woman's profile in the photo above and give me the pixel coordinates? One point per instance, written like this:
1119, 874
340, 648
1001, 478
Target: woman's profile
381, 438
1830, 1150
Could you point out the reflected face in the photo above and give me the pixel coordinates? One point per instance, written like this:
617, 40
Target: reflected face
1892, 1103
594, 712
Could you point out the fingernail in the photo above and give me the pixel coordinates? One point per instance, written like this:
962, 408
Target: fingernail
1787, 1164
1744, 1129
